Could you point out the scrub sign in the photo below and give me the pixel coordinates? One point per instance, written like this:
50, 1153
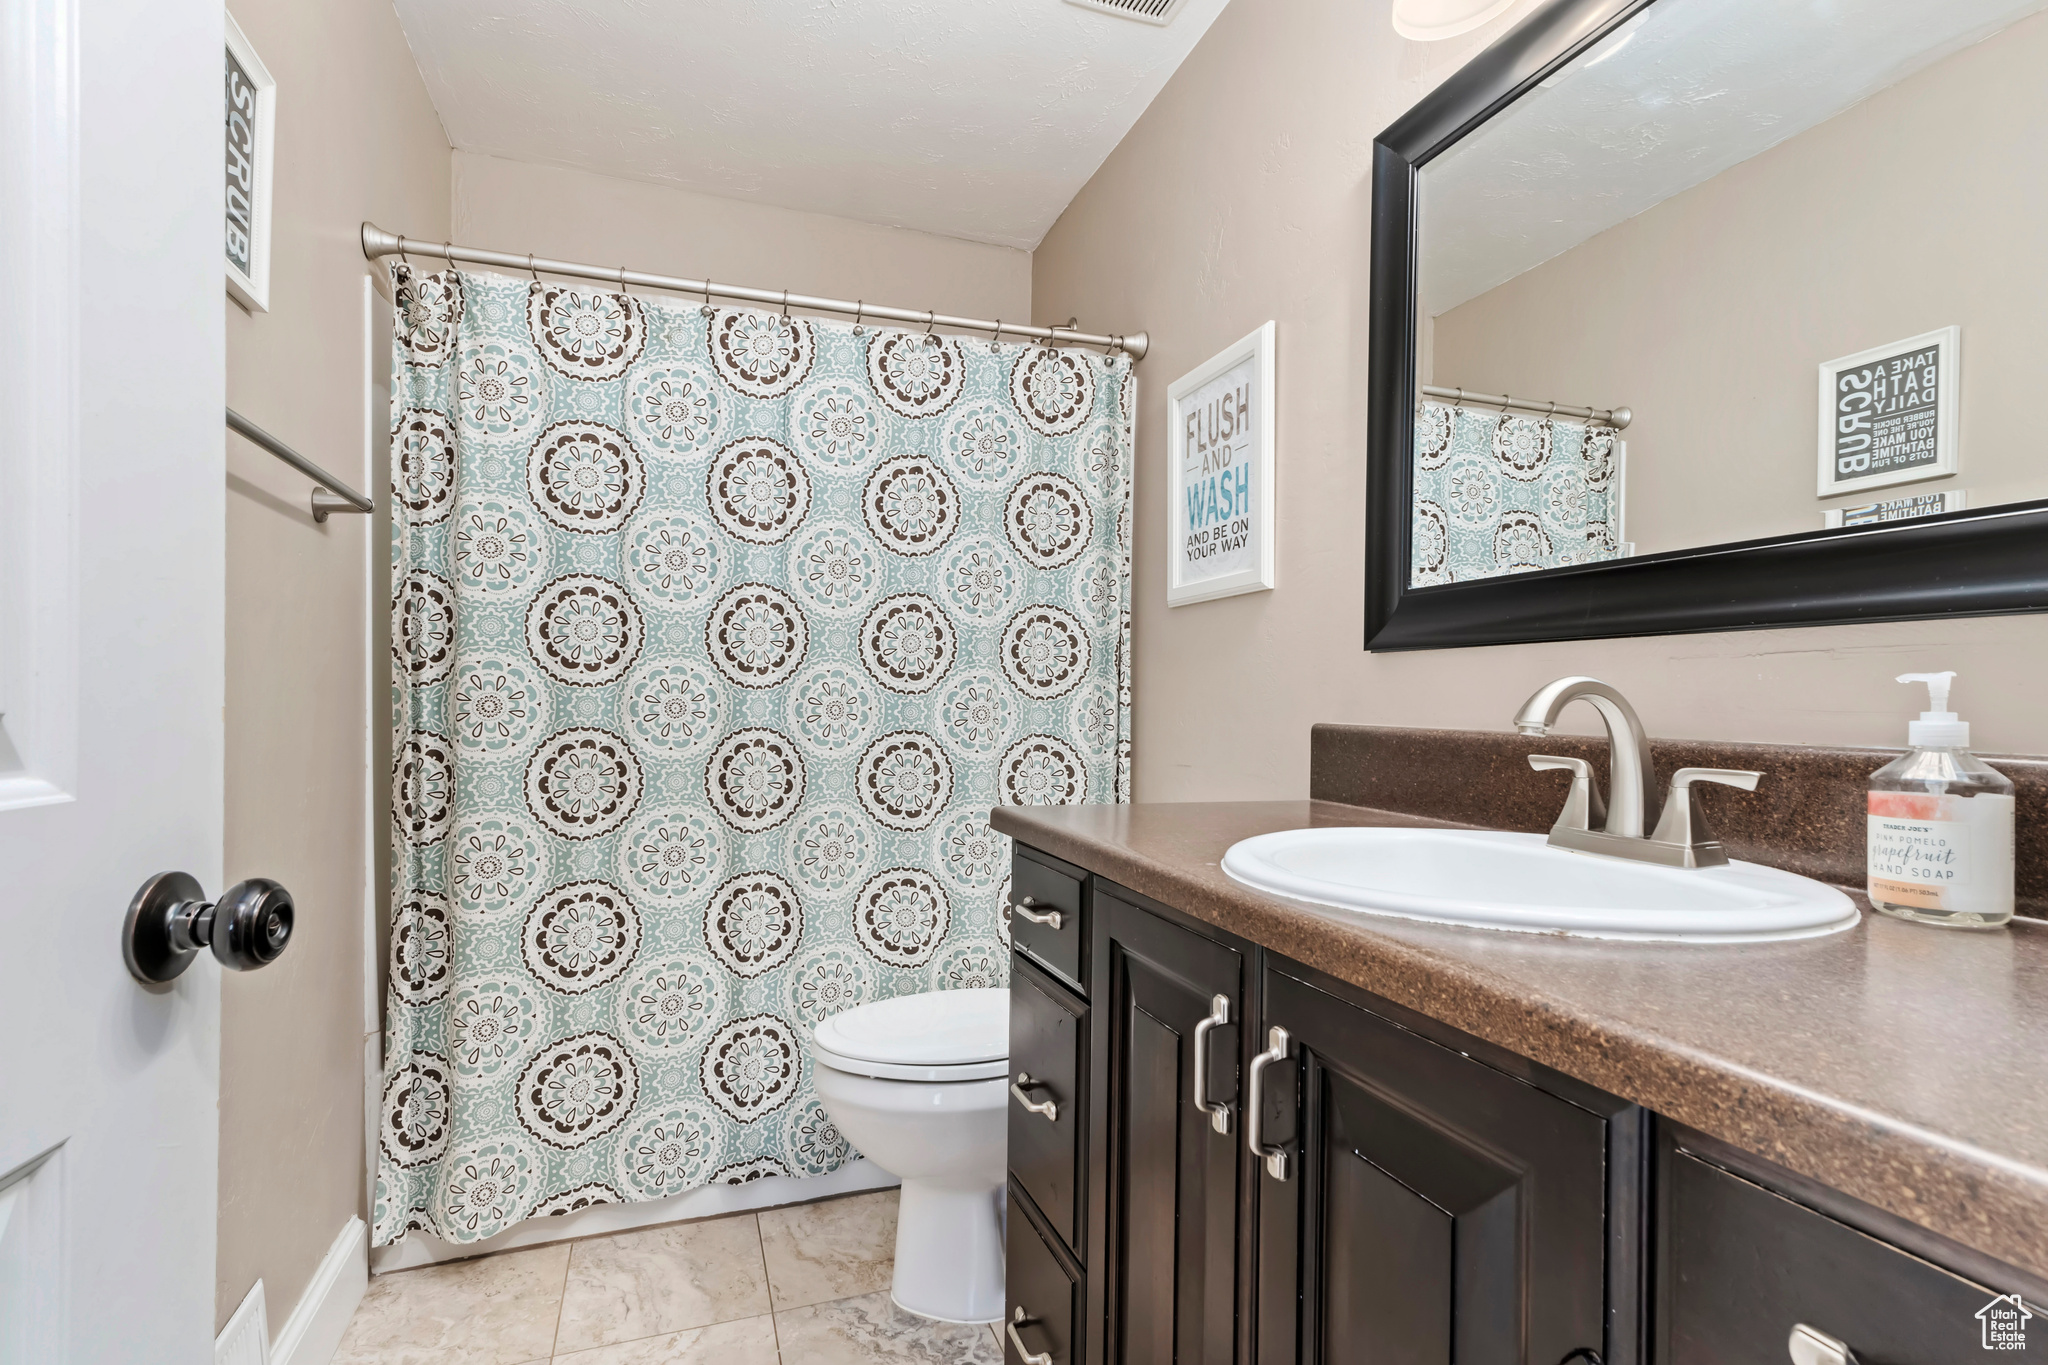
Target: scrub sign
1888, 414
1220, 448
249, 128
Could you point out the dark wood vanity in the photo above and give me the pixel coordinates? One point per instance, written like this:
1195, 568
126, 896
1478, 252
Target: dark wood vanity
1434, 1196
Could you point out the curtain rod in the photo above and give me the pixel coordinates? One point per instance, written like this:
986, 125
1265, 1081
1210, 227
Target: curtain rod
377, 242
329, 493
1605, 417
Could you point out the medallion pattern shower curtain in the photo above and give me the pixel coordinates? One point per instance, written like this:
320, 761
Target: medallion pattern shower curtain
1498, 494
716, 633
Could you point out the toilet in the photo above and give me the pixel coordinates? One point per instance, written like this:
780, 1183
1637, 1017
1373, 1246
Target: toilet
918, 1085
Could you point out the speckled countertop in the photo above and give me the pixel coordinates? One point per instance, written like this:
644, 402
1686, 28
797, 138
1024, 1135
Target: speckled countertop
1905, 1066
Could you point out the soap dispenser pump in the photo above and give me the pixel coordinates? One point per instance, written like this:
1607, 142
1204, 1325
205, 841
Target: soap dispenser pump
1940, 824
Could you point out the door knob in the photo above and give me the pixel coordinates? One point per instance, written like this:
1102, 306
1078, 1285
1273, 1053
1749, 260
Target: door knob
170, 920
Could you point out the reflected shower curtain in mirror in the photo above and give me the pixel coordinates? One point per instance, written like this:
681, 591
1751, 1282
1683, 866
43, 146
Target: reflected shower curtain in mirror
716, 635
1496, 494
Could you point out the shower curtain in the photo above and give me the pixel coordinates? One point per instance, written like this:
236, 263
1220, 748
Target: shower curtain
716, 633
1496, 494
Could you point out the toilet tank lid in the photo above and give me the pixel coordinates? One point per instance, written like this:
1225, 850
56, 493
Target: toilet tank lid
935, 1028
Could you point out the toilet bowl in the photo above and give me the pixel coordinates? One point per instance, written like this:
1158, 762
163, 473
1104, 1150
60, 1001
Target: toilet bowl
918, 1084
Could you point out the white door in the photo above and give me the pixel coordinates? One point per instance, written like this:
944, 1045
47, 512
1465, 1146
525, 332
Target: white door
111, 516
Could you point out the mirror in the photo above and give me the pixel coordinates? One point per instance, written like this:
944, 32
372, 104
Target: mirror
1706, 275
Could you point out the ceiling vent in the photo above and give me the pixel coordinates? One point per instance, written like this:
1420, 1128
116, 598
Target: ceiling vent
1145, 11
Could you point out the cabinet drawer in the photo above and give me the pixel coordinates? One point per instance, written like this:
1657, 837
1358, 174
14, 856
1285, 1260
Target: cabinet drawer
1040, 1287
1047, 1035
1739, 1267
1050, 894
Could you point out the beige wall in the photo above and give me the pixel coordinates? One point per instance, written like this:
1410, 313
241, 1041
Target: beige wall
1708, 314
358, 139
1243, 194
582, 216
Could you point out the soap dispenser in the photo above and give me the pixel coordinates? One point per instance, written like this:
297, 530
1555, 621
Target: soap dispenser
1941, 825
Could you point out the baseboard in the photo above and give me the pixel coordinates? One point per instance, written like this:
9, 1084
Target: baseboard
708, 1201
313, 1331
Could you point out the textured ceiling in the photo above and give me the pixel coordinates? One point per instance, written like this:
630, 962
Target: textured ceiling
977, 118
1698, 87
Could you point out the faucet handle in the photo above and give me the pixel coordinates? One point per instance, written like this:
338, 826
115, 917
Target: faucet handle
1727, 777
1583, 806
1684, 824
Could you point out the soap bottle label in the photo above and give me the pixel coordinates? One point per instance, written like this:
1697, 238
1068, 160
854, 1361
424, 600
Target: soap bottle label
1918, 849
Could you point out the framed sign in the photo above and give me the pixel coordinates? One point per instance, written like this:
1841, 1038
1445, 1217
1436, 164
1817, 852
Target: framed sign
1219, 480
251, 126
1888, 415
1911, 507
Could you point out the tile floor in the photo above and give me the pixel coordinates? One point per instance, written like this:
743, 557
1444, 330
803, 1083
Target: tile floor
804, 1285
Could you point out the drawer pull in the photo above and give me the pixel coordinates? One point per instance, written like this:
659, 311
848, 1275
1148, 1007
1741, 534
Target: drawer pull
1018, 1318
1811, 1347
1277, 1047
1020, 1091
1218, 1111
1050, 919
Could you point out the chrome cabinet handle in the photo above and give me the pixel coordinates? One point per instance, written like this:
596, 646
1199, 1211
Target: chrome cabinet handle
1019, 1091
1050, 919
1277, 1045
1218, 1111
1018, 1319
1811, 1347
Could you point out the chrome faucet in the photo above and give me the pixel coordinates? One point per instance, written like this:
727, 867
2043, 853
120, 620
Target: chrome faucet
1681, 839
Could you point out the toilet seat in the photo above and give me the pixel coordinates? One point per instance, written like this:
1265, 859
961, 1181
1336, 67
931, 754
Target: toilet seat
932, 1036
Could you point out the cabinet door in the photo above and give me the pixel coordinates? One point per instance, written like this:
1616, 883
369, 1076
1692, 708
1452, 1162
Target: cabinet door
1434, 1210
1739, 1268
1171, 1291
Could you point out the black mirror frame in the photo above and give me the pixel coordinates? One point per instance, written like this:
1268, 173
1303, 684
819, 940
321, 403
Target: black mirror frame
1992, 562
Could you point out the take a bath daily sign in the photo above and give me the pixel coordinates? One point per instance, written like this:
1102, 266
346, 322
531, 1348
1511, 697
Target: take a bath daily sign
1219, 497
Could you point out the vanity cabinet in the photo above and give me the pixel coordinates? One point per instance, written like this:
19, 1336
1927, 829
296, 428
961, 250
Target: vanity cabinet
1435, 1199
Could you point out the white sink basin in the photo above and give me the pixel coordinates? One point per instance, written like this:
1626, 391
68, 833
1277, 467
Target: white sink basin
1491, 880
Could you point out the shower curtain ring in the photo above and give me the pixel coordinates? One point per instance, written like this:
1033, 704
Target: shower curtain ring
623, 291
707, 310
858, 306
529, 268
995, 338
404, 259
929, 315
785, 304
